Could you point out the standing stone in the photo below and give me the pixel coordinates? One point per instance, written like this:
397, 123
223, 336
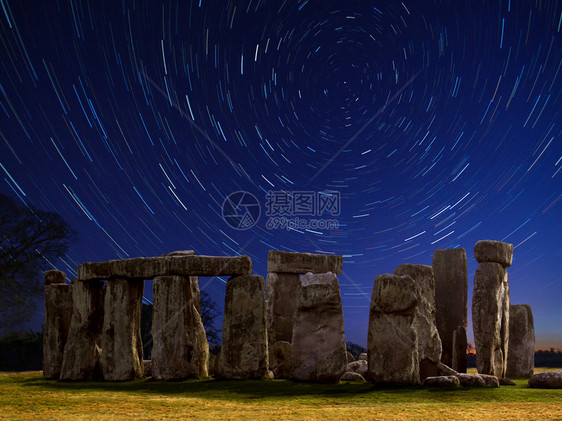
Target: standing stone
490, 318
280, 360
521, 351
82, 352
58, 313
282, 296
392, 341
244, 331
429, 343
460, 345
121, 335
180, 348
318, 351
451, 289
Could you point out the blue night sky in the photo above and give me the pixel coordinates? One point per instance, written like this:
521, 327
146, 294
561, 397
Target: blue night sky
437, 122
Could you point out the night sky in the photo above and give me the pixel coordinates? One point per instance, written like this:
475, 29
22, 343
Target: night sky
436, 124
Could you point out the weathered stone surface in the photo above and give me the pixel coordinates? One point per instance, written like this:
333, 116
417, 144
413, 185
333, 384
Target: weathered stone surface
180, 349
504, 381
521, 350
82, 352
444, 370
350, 357
471, 380
490, 318
494, 251
179, 253
429, 343
546, 380
244, 352
451, 291
318, 350
441, 381
149, 267
282, 296
121, 335
362, 356
58, 314
54, 277
351, 376
491, 381
459, 349
392, 340
280, 360
287, 262
147, 365
359, 366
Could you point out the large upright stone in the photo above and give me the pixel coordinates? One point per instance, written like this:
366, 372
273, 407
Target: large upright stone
392, 340
282, 296
451, 289
244, 331
121, 335
521, 350
490, 318
180, 349
58, 314
318, 351
494, 251
287, 262
149, 267
429, 343
82, 352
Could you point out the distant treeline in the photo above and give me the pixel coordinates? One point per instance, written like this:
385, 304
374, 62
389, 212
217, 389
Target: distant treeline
24, 351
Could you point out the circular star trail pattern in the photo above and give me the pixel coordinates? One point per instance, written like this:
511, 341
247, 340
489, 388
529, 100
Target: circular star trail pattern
437, 122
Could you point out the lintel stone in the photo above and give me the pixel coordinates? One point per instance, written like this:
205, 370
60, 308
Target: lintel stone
287, 262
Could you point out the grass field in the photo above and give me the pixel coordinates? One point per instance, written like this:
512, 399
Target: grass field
28, 396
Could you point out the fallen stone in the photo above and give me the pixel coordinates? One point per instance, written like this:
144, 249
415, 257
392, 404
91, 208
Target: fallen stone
360, 366
429, 343
54, 277
82, 352
280, 360
546, 380
350, 357
121, 335
351, 376
491, 381
471, 380
318, 350
282, 297
287, 262
441, 381
392, 341
490, 317
521, 350
244, 352
180, 349
494, 251
504, 381
451, 291
58, 315
445, 370
150, 267
362, 356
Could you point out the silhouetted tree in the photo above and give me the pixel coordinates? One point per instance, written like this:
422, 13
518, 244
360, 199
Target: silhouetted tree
355, 349
29, 239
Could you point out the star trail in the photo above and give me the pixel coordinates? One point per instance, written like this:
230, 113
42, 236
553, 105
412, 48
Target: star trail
438, 124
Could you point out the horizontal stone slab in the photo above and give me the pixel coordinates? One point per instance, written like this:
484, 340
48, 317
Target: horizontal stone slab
494, 251
149, 267
287, 262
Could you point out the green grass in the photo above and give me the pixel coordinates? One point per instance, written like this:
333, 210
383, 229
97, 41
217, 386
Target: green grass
29, 396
